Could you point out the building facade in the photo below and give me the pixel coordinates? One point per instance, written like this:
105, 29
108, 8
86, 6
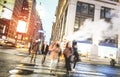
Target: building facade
24, 11
71, 14
4, 25
14, 20
20, 21
6, 7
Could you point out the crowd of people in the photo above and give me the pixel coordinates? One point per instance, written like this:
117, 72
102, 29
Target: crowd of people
66, 49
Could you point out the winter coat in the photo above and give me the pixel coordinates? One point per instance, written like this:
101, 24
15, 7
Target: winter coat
68, 52
54, 52
34, 48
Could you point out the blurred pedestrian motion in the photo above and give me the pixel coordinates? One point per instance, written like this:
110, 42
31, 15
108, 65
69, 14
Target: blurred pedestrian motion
34, 50
44, 51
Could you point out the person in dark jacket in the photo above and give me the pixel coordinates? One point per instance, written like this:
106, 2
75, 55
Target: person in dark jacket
34, 50
75, 53
44, 50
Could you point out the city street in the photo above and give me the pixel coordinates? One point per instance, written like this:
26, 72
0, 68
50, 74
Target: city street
12, 60
85, 28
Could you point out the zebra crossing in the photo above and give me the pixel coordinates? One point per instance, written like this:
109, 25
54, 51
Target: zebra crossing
27, 69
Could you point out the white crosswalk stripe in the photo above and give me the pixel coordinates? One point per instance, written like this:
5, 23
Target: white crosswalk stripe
44, 69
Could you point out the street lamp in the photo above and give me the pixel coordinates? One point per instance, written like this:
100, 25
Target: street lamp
41, 31
42, 39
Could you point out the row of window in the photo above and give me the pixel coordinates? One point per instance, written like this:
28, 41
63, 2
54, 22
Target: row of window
85, 8
88, 9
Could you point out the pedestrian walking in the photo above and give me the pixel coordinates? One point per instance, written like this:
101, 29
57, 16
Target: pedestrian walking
54, 52
68, 53
34, 50
44, 50
75, 53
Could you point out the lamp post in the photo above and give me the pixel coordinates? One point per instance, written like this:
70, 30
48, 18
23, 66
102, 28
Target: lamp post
43, 32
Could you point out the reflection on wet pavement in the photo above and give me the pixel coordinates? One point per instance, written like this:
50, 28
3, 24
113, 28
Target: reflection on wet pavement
28, 69
21, 71
32, 70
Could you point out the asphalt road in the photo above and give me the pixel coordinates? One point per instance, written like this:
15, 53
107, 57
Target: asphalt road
8, 62
10, 58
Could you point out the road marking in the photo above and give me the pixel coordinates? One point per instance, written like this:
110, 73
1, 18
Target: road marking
90, 73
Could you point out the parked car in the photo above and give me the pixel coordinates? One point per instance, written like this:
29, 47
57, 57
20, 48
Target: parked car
7, 44
20, 45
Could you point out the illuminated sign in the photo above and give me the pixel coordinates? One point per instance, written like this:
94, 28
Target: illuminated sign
22, 26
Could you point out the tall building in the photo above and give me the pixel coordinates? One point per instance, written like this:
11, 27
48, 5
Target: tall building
35, 23
25, 21
15, 17
71, 14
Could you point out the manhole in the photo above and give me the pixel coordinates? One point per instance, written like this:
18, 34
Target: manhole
21, 71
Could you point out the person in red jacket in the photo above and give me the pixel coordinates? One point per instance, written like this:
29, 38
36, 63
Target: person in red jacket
68, 53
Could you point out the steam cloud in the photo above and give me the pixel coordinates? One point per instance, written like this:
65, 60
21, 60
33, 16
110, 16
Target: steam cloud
100, 30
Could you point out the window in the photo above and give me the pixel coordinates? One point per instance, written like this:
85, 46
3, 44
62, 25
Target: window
83, 11
102, 12
105, 12
84, 8
91, 9
78, 7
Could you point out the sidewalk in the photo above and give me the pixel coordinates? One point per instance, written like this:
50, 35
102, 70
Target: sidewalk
99, 61
96, 61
